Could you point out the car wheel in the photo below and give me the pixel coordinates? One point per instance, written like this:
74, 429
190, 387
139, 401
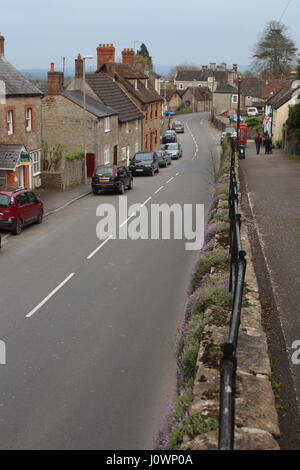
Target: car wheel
39, 219
95, 191
157, 171
19, 227
130, 186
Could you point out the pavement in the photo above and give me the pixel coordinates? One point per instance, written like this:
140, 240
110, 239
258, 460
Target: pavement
54, 199
272, 187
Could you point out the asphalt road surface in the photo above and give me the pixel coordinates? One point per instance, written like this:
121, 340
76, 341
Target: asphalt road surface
90, 328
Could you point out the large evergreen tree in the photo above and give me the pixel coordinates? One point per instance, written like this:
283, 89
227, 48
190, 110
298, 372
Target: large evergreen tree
275, 52
143, 57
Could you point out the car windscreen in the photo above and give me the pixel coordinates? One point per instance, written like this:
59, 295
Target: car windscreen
104, 171
171, 146
177, 123
141, 157
4, 200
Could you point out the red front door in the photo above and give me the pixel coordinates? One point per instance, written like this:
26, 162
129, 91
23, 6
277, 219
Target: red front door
90, 164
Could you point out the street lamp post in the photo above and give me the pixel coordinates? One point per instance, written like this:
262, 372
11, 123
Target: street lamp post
238, 112
194, 95
84, 122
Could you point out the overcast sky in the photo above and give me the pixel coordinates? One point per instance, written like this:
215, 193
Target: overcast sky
38, 32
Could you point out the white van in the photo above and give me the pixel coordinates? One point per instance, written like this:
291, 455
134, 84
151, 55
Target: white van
252, 111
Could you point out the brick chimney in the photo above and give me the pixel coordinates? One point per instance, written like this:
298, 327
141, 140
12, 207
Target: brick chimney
128, 57
2, 39
105, 54
55, 81
235, 68
79, 67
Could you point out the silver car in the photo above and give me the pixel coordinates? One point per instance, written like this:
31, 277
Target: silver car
175, 149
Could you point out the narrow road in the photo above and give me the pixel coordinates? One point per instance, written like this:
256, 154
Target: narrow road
90, 328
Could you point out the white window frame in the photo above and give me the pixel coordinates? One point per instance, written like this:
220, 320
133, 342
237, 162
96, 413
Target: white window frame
137, 124
106, 156
127, 127
36, 162
28, 119
136, 149
124, 153
234, 99
107, 124
10, 122
135, 84
128, 154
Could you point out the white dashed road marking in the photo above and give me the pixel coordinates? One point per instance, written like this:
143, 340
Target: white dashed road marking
49, 296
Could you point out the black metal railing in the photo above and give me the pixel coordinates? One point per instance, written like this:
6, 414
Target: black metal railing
236, 287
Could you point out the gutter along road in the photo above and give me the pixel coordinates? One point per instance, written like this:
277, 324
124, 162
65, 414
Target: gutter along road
90, 326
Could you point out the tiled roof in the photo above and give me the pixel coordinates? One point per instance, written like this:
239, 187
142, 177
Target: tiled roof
200, 75
93, 106
284, 95
226, 89
199, 93
15, 83
271, 87
169, 93
124, 73
252, 87
10, 155
112, 95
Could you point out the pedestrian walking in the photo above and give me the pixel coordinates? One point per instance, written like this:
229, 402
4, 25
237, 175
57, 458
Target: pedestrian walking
258, 142
268, 144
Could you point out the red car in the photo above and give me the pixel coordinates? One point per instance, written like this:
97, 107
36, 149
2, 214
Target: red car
19, 207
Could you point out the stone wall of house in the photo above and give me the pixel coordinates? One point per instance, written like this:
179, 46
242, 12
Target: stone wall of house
63, 124
222, 102
32, 139
131, 139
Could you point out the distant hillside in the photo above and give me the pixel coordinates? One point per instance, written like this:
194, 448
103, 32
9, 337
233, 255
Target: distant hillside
41, 74
165, 69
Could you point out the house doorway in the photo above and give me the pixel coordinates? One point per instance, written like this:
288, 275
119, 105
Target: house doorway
115, 154
90, 164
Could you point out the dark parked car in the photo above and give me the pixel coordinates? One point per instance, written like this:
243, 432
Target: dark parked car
164, 158
111, 178
175, 149
177, 126
19, 207
169, 136
144, 163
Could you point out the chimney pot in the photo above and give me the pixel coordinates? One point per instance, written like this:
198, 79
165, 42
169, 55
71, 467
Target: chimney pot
105, 54
55, 81
2, 39
79, 67
128, 56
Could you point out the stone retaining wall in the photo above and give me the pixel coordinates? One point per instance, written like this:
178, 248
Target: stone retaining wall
256, 424
71, 173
